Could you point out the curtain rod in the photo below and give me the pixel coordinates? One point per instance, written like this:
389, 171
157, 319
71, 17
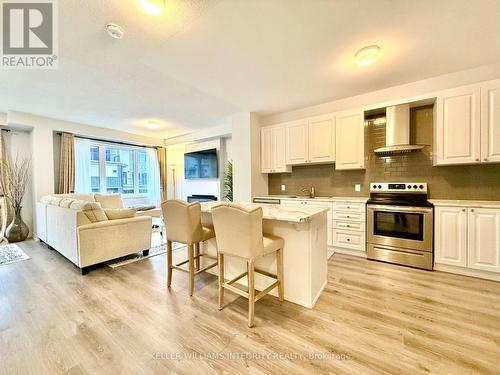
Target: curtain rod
113, 142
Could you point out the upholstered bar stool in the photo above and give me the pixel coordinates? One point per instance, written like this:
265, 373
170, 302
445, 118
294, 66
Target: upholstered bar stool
239, 233
183, 224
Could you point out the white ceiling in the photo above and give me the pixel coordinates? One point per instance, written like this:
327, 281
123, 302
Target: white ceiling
205, 59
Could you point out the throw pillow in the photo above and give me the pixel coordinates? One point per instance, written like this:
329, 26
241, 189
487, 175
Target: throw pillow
95, 215
109, 200
119, 213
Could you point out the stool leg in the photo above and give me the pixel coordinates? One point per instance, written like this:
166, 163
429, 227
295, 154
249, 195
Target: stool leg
191, 268
197, 256
279, 274
169, 263
221, 279
251, 292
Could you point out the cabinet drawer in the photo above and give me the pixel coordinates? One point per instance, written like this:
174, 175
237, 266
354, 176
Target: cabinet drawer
357, 216
349, 225
349, 239
349, 206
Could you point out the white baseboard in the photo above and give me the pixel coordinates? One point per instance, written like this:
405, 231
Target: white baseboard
356, 253
467, 272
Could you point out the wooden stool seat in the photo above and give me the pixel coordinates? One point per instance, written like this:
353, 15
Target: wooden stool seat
183, 225
239, 233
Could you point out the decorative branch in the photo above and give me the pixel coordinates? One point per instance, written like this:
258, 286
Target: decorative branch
16, 180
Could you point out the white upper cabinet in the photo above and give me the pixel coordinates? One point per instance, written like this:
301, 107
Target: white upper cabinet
296, 142
273, 150
484, 239
468, 125
311, 140
450, 241
458, 126
322, 139
266, 140
350, 140
490, 122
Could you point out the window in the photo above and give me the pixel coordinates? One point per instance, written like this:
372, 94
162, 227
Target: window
118, 169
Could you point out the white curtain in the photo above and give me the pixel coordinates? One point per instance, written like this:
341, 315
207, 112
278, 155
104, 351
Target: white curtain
82, 166
154, 194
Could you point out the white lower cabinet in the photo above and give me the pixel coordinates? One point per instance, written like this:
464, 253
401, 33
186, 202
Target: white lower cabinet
484, 239
450, 236
467, 238
349, 235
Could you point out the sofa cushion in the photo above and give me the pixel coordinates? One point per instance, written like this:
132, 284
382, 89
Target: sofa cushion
84, 205
109, 200
95, 215
119, 213
81, 197
66, 202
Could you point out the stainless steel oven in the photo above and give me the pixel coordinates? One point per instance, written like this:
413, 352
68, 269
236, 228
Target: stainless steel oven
400, 224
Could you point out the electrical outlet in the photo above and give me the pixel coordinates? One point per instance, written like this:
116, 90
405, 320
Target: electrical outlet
357, 187
283, 187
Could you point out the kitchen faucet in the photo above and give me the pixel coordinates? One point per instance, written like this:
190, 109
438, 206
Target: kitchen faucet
309, 191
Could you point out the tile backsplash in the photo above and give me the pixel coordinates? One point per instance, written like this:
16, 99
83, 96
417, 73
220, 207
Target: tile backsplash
452, 182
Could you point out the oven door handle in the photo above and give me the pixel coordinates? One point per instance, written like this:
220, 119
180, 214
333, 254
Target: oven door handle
409, 209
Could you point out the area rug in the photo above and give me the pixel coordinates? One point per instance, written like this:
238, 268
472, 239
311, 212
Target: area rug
11, 253
154, 251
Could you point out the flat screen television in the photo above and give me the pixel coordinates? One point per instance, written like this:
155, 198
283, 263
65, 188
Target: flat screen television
201, 164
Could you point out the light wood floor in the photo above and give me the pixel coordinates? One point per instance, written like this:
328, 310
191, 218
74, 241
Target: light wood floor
383, 318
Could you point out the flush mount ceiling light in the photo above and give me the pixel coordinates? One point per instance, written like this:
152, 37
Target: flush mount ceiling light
367, 55
114, 31
151, 7
153, 125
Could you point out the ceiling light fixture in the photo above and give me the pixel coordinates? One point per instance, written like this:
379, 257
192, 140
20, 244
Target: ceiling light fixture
114, 31
367, 55
151, 7
153, 125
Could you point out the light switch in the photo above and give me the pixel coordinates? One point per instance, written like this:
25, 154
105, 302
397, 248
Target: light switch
357, 187
283, 187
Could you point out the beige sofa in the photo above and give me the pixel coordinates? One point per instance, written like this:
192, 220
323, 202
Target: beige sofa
91, 229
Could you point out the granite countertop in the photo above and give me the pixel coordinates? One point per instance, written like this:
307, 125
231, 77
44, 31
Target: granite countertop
320, 199
298, 214
465, 203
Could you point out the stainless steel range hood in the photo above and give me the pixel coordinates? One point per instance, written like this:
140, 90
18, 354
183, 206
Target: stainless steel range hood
397, 132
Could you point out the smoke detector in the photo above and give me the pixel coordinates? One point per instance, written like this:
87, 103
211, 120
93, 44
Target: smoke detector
114, 31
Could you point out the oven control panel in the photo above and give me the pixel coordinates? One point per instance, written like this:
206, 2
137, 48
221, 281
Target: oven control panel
398, 187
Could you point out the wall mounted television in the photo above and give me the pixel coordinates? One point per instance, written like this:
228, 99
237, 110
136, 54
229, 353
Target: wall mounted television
201, 164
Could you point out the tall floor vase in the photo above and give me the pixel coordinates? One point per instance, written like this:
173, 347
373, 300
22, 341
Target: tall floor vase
17, 231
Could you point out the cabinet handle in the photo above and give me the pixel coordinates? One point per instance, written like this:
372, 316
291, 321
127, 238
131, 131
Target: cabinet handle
478, 159
348, 216
463, 210
485, 159
471, 210
348, 240
348, 226
348, 207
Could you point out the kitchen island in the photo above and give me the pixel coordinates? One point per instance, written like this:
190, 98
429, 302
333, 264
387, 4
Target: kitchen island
304, 230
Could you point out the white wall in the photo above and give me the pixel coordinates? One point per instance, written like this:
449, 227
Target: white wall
392, 95
248, 179
41, 131
18, 144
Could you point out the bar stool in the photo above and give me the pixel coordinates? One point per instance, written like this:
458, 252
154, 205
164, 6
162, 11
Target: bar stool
183, 224
239, 233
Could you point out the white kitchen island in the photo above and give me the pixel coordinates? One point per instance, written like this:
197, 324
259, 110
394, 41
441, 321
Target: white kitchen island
304, 230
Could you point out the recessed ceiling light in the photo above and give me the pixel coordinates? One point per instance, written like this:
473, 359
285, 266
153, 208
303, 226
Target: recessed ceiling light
151, 7
153, 125
367, 55
114, 31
